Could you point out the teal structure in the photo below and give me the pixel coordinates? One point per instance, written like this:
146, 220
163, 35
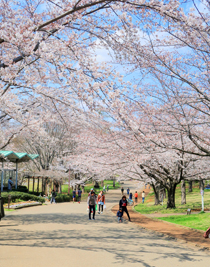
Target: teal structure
15, 158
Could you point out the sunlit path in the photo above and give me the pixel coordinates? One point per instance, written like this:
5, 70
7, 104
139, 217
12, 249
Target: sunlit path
62, 235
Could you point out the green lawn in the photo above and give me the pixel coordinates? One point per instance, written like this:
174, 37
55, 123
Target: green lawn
197, 221
193, 202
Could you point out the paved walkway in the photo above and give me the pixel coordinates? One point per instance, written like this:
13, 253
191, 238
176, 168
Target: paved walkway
61, 235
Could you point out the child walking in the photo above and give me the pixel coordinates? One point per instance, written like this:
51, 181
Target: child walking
119, 215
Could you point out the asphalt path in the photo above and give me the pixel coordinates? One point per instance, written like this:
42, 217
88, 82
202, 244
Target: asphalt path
61, 235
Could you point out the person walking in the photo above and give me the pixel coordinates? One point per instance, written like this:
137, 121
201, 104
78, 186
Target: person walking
104, 189
122, 190
119, 215
79, 195
10, 183
74, 195
107, 188
101, 202
136, 197
123, 205
128, 191
91, 190
53, 196
143, 197
91, 204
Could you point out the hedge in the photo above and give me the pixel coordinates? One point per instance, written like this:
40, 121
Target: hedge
22, 188
21, 195
62, 198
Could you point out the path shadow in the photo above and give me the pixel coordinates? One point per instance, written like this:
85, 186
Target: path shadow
128, 245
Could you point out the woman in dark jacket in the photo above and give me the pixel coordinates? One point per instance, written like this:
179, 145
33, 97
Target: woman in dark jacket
123, 205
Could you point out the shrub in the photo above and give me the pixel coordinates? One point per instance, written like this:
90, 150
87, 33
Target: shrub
21, 188
34, 193
66, 198
63, 198
21, 195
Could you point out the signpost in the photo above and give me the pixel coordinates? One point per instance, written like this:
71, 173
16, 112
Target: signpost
202, 199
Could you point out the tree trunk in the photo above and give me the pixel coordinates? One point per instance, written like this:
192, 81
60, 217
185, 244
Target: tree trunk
201, 185
156, 191
171, 197
164, 193
190, 187
46, 187
183, 191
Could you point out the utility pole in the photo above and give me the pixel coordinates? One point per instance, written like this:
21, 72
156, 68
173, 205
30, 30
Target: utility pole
202, 199
69, 181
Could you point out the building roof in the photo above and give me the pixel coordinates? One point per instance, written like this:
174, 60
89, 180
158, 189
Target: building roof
16, 157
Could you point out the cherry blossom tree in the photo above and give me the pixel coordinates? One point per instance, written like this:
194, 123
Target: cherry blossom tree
172, 61
49, 69
47, 52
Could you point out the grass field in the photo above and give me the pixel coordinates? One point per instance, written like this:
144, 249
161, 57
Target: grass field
197, 221
193, 202
35, 185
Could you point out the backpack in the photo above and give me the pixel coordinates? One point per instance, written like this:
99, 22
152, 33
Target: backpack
207, 233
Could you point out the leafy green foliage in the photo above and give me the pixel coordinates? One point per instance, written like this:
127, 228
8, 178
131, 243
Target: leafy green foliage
15, 195
62, 198
21, 188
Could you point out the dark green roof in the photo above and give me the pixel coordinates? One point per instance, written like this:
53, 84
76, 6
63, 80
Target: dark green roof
16, 157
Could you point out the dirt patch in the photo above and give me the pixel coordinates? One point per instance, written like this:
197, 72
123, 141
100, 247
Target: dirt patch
175, 231
199, 210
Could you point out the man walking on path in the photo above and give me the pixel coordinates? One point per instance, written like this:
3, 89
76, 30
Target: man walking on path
91, 204
74, 195
53, 196
122, 190
91, 190
10, 183
79, 195
143, 196
123, 205
128, 191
